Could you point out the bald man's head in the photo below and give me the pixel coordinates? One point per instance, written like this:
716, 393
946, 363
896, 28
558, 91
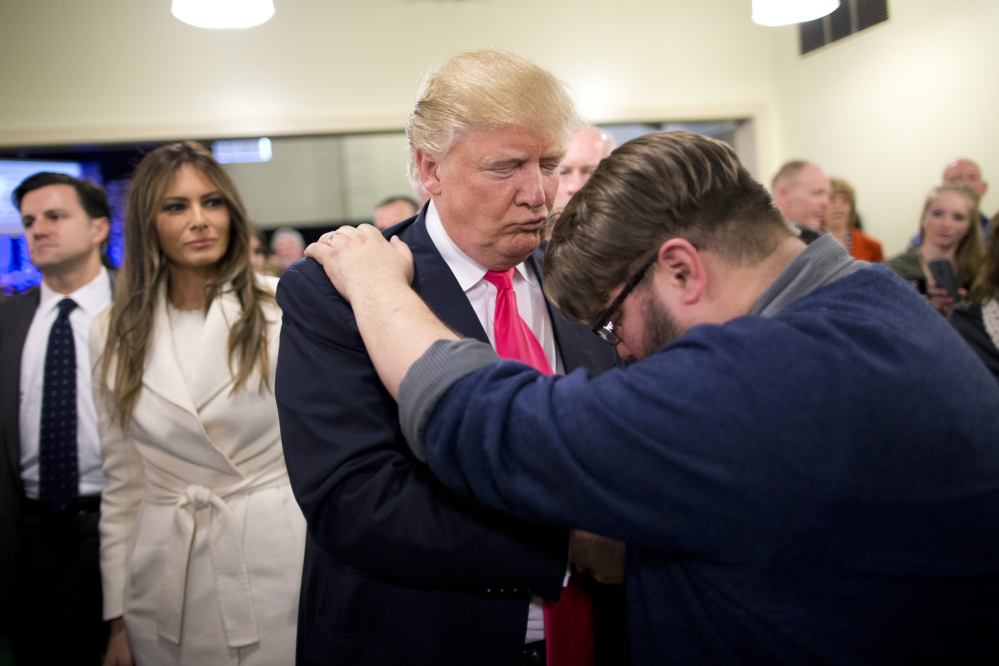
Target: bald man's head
588, 146
801, 191
965, 172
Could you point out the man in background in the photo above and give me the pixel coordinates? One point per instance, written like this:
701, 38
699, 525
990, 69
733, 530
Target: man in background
393, 210
588, 146
966, 172
287, 247
49, 427
801, 192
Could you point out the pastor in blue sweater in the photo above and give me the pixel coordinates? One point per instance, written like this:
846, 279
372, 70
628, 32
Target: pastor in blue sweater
804, 464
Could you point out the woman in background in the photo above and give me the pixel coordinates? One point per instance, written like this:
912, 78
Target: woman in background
947, 232
841, 222
978, 320
201, 539
260, 256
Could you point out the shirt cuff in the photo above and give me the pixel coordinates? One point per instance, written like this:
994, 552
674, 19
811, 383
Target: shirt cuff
429, 379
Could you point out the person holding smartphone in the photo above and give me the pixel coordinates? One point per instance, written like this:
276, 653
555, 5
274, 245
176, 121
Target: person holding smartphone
947, 233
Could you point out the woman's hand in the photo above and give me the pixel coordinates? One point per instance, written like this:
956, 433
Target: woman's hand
940, 299
119, 652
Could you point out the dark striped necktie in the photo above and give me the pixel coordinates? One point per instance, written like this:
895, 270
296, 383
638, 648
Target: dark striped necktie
58, 474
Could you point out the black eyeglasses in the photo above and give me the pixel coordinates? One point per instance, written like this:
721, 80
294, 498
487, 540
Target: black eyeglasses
604, 328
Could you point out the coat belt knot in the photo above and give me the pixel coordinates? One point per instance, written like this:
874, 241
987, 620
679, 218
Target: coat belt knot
198, 504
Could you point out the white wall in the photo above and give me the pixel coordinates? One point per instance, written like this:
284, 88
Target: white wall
323, 180
888, 107
885, 108
299, 186
121, 70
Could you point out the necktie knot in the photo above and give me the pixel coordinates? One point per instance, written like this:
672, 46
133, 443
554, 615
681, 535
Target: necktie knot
501, 279
66, 306
512, 336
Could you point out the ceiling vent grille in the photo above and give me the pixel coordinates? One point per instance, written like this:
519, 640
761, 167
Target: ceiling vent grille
852, 16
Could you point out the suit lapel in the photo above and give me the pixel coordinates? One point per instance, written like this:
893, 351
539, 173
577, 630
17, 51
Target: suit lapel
436, 284
164, 377
162, 374
211, 372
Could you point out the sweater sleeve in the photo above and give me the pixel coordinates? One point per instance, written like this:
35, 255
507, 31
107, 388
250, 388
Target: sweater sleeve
656, 454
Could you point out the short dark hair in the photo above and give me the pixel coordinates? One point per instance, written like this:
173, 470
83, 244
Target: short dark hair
653, 188
91, 196
391, 200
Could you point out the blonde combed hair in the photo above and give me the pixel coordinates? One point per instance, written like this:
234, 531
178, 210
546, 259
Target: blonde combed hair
485, 90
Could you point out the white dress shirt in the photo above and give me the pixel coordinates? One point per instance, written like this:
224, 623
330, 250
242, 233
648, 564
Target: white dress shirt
532, 308
481, 293
90, 299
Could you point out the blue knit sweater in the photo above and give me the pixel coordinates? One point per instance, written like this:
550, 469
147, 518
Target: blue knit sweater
820, 486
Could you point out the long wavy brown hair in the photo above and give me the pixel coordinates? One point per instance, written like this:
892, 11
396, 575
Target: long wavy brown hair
986, 287
145, 267
971, 250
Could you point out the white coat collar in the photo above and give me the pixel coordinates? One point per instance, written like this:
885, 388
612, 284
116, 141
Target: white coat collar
211, 373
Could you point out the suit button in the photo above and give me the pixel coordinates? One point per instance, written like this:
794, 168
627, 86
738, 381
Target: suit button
489, 591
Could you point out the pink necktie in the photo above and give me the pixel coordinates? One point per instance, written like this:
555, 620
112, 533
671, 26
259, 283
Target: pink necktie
568, 621
514, 339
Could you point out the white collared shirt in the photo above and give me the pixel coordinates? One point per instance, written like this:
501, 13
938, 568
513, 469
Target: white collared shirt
481, 293
531, 305
90, 299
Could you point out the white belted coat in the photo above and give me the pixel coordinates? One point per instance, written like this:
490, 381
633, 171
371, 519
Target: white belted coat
201, 538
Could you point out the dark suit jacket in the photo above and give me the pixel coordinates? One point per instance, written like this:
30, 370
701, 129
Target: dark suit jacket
16, 314
399, 569
15, 319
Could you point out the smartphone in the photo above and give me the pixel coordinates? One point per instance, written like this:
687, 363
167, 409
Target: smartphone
942, 273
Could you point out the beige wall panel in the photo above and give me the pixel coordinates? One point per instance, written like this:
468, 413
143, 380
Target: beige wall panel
106, 70
300, 186
888, 107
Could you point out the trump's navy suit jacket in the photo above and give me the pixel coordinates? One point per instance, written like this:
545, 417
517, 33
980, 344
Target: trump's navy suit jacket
399, 569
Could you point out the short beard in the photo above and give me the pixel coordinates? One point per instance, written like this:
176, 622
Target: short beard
660, 328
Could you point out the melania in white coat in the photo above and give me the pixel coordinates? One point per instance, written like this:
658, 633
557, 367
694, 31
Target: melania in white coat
201, 538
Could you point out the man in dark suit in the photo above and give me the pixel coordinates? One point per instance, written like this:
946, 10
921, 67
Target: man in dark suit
49, 509
398, 569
